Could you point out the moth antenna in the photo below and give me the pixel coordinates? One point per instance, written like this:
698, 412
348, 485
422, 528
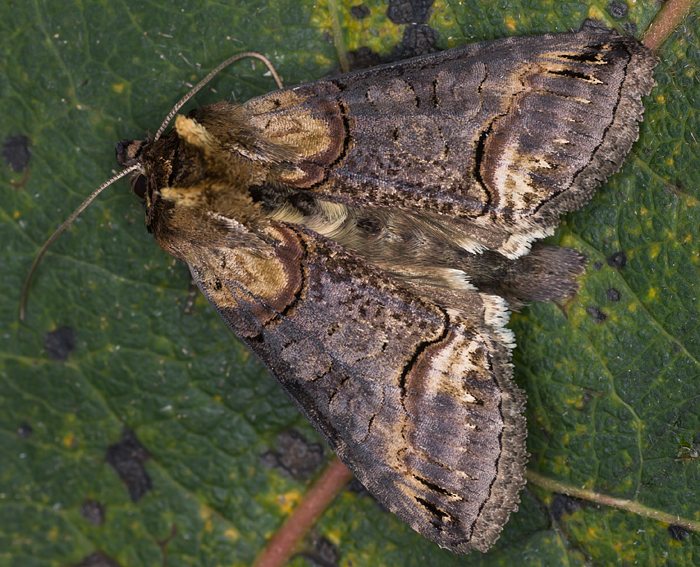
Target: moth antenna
60, 230
201, 84
24, 294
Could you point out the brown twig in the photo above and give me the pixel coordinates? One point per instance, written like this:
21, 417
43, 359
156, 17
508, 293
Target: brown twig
666, 20
283, 543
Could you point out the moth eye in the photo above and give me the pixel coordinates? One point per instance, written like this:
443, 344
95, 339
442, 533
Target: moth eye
139, 185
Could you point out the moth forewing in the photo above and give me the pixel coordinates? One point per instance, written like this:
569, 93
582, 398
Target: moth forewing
365, 235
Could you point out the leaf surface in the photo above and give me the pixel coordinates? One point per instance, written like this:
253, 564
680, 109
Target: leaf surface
612, 378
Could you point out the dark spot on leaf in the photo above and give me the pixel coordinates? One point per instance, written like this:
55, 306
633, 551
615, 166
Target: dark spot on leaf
563, 505
127, 458
321, 552
597, 265
363, 58
359, 11
418, 39
60, 343
617, 9
93, 512
587, 397
294, 455
617, 260
24, 430
596, 314
98, 559
356, 487
591, 24
612, 294
678, 533
409, 11
630, 28
15, 150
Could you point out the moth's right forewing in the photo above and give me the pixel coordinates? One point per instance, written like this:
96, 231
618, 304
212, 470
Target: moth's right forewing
495, 139
415, 397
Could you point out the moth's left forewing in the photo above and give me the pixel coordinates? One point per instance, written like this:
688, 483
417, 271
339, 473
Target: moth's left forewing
413, 395
411, 385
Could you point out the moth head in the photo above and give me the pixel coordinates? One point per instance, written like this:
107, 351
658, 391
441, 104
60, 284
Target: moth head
186, 169
138, 158
158, 165
128, 154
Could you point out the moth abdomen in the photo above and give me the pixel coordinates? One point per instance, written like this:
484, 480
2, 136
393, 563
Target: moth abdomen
415, 246
547, 273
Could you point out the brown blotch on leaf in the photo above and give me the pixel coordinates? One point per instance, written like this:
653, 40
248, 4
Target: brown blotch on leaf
363, 58
93, 511
418, 39
612, 294
630, 28
409, 11
587, 397
359, 11
24, 431
678, 533
563, 505
98, 559
617, 260
60, 343
127, 458
596, 314
321, 552
15, 150
294, 455
617, 9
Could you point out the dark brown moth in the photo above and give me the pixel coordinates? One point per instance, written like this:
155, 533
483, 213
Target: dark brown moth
366, 235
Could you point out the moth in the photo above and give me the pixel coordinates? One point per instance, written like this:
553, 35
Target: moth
366, 236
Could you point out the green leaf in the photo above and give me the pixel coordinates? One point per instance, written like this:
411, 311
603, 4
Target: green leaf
613, 404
